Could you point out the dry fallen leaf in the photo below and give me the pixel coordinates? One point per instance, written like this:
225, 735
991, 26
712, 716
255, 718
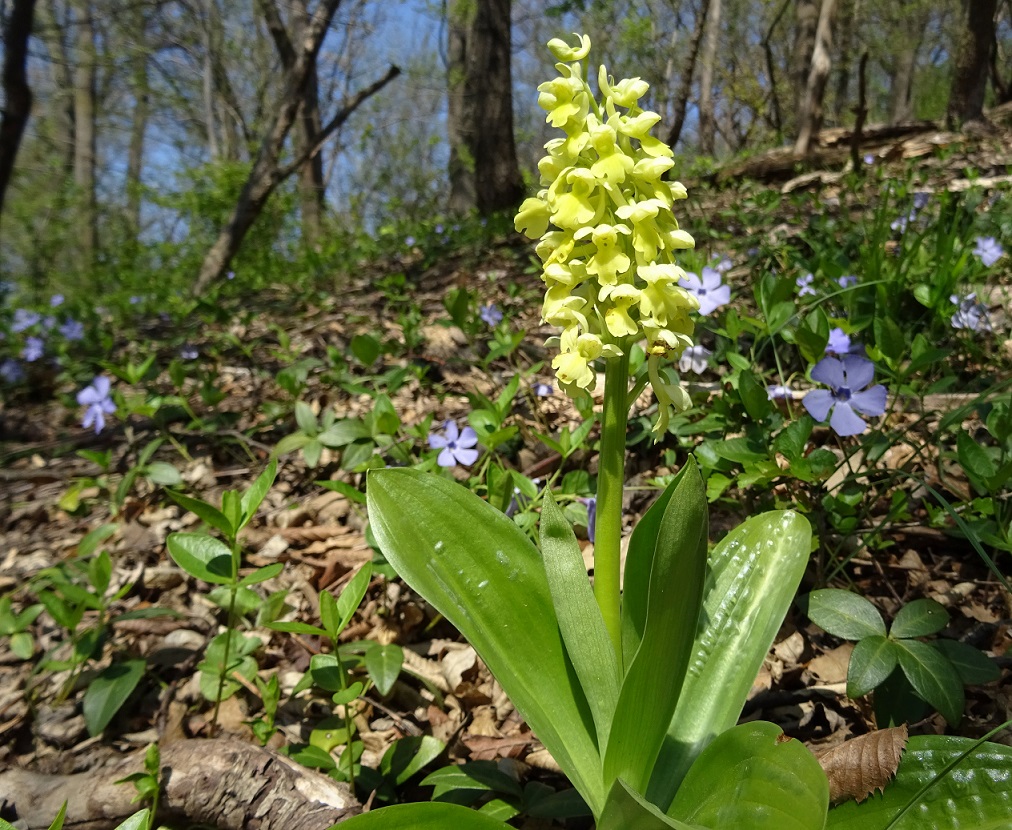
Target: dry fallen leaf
860, 766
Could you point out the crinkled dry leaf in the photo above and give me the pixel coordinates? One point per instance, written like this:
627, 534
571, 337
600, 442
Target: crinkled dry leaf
860, 766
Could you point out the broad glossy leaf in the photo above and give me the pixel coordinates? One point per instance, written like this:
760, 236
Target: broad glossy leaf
628, 810
974, 796
636, 576
262, 574
754, 573
479, 570
482, 776
871, 662
202, 556
933, 677
108, 692
919, 618
204, 511
138, 821
654, 678
580, 620
754, 776
843, 614
384, 665
432, 815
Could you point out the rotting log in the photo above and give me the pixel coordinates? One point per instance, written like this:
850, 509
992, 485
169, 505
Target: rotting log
226, 784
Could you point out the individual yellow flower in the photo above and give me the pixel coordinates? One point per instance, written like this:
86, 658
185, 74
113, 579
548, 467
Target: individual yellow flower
572, 366
608, 260
532, 219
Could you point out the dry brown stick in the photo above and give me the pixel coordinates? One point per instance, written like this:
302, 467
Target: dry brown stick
220, 783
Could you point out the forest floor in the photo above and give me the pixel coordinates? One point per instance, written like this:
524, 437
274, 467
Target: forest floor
320, 535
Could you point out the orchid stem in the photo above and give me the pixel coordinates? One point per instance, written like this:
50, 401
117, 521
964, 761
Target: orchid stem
610, 478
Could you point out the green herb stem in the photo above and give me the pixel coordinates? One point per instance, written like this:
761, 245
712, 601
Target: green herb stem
610, 477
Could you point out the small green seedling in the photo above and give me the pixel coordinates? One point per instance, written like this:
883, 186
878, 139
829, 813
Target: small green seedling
904, 671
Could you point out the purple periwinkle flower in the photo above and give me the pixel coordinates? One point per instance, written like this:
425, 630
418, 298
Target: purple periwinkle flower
56, 300
988, 250
779, 392
490, 314
847, 396
846, 281
230, 275
804, 285
542, 389
591, 517
921, 199
189, 353
96, 399
723, 265
11, 371
72, 330
869, 158
900, 222
694, 358
409, 241
456, 446
838, 343
24, 319
33, 350
135, 299
708, 289
971, 314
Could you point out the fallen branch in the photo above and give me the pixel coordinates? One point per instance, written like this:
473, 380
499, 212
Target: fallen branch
220, 783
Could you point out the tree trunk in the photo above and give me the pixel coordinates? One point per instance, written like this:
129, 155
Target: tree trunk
849, 15
17, 93
139, 120
707, 121
460, 109
901, 82
810, 117
267, 171
970, 70
805, 23
84, 133
482, 145
688, 70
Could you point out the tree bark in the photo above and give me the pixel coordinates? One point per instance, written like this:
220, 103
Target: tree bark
17, 93
970, 70
810, 117
688, 70
139, 120
312, 186
707, 121
805, 23
267, 171
482, 144
85, 72
225, 784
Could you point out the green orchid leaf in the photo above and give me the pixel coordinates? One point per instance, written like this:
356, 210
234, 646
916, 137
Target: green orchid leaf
933, 677
974, 796
626, 809
843, 614
384, 665
636, 576
754, 776
202, 557
580, 620
649, 692
754, 573
479, 570
432, 815
919, 618
138, 821
108, 692
871, 662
